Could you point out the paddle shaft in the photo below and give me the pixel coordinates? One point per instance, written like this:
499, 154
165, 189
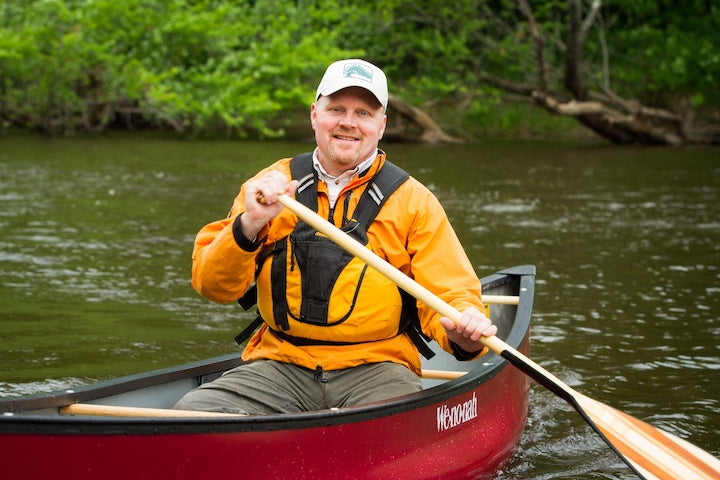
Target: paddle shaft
411, 286
649, 452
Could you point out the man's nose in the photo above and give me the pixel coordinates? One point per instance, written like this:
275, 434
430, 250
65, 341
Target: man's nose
347, 120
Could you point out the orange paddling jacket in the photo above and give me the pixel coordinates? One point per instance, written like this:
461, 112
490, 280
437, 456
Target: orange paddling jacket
361, 321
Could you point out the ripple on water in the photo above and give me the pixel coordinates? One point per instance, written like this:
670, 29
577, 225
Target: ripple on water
13, 390
548, 333
556, 440
510, 207
679, 362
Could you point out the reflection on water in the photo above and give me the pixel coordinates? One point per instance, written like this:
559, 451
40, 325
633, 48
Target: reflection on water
96, 237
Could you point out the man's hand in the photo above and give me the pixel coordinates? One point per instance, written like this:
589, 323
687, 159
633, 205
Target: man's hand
472, 325
261, 203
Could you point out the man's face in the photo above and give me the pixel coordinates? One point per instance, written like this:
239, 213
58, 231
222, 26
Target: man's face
348, 126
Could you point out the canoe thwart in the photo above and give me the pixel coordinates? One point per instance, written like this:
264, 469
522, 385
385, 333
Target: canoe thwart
501, 299
442, 374
121, 411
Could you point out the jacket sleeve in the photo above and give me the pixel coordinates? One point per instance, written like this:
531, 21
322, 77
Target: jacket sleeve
439, 263
223, 260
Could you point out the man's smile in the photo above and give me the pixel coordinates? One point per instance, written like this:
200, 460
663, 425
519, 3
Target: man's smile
345, 137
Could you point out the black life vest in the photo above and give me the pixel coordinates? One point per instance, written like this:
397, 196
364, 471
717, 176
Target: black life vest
321, 261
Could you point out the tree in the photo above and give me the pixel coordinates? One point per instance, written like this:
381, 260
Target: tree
602, 110
198, 67
644, 71
633, 72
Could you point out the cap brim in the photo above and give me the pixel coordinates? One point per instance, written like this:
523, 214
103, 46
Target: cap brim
347, 84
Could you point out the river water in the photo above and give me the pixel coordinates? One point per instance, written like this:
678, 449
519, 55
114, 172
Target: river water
96, 236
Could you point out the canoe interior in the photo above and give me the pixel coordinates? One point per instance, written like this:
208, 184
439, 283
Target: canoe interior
162, 388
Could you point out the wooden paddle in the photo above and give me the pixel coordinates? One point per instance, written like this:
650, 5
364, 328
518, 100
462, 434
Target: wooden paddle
650, 452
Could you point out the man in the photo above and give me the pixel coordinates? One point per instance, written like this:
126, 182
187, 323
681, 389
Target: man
352, 345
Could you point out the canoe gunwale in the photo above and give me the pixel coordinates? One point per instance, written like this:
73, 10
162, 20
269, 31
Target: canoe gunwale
490, 365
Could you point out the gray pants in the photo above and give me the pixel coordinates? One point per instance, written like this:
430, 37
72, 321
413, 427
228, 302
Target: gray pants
267, 386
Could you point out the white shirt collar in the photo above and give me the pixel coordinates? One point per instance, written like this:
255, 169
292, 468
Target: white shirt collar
336, 184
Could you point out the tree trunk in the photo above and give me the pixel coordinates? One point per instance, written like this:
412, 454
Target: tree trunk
573, 54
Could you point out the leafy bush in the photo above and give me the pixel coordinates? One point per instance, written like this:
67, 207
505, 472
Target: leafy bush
198, 66
237, 68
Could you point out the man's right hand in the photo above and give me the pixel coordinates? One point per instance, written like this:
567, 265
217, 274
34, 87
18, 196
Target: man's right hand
261, 203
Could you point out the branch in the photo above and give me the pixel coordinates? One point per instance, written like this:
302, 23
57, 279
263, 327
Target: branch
596, 113
430, 132
539, 42
572, 108
589, 19
605, 58
636, 108
508, 86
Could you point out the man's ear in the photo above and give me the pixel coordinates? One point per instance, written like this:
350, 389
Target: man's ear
382, 133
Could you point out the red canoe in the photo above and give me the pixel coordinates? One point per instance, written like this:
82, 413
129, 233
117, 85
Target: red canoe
462, 428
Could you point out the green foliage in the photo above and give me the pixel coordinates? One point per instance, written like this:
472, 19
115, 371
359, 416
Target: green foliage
664, 50
236, 68
200, 66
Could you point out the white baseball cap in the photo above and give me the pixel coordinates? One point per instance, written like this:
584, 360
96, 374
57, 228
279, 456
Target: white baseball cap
354, 73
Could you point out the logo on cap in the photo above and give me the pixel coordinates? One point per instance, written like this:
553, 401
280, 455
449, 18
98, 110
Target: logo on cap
356, 70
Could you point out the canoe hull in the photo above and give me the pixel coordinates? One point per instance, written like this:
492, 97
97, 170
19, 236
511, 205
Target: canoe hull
473, 449
465, 428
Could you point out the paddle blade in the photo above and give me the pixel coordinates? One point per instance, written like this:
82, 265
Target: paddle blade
653, 453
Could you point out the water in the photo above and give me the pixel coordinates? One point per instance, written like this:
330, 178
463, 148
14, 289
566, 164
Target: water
96, 237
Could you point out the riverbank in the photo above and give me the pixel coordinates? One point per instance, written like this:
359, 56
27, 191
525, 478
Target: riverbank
507, 122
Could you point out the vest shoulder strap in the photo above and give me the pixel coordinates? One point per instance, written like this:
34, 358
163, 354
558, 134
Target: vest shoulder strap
302, 170
385, 182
